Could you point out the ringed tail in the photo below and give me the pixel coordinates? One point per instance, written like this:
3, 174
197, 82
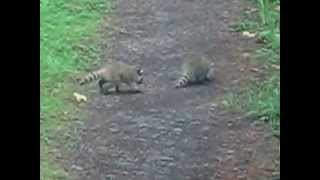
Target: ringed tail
183, 81
90, 77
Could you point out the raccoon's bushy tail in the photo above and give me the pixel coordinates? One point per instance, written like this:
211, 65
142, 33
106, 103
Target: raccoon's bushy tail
183, 81
90, 77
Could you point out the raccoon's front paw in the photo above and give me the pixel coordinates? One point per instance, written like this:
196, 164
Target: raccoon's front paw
137, 91
104, 91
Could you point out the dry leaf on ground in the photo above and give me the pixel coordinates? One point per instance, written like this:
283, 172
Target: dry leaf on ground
80, 97
248, 34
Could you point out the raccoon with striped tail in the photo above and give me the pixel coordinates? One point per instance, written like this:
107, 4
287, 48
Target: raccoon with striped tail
113, 75
195, 71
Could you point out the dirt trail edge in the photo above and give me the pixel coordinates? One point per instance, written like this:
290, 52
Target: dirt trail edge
165, 133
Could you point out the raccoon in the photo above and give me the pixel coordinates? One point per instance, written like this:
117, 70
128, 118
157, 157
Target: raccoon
195, 70
115, 74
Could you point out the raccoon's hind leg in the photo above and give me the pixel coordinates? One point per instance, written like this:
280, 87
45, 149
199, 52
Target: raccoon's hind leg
117, 89
101, 83
104, 86
210, 75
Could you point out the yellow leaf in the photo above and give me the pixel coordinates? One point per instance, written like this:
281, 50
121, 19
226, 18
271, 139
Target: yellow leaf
248, 34
246, 55
80, 97
276, 66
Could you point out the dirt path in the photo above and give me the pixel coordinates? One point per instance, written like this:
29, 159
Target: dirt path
166, 133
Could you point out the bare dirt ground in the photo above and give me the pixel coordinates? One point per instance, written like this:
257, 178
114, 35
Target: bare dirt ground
167, 133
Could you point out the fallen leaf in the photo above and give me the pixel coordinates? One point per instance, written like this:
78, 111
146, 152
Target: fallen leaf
225, 103
246, 55
255, 69
235, 81
275, 66
214, 105
80, 97
260, 40
265, 67
251, 10
248, 34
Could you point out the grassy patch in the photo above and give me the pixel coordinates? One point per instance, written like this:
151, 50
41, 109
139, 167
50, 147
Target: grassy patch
68, 43
262, 100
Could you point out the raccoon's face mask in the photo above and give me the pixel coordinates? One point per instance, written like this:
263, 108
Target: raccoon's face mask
140, 78
139, 71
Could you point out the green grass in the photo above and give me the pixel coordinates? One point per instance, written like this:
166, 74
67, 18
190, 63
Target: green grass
68, 44
262, 100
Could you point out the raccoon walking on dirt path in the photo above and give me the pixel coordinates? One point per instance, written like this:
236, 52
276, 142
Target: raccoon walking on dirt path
195, 70
113, 75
